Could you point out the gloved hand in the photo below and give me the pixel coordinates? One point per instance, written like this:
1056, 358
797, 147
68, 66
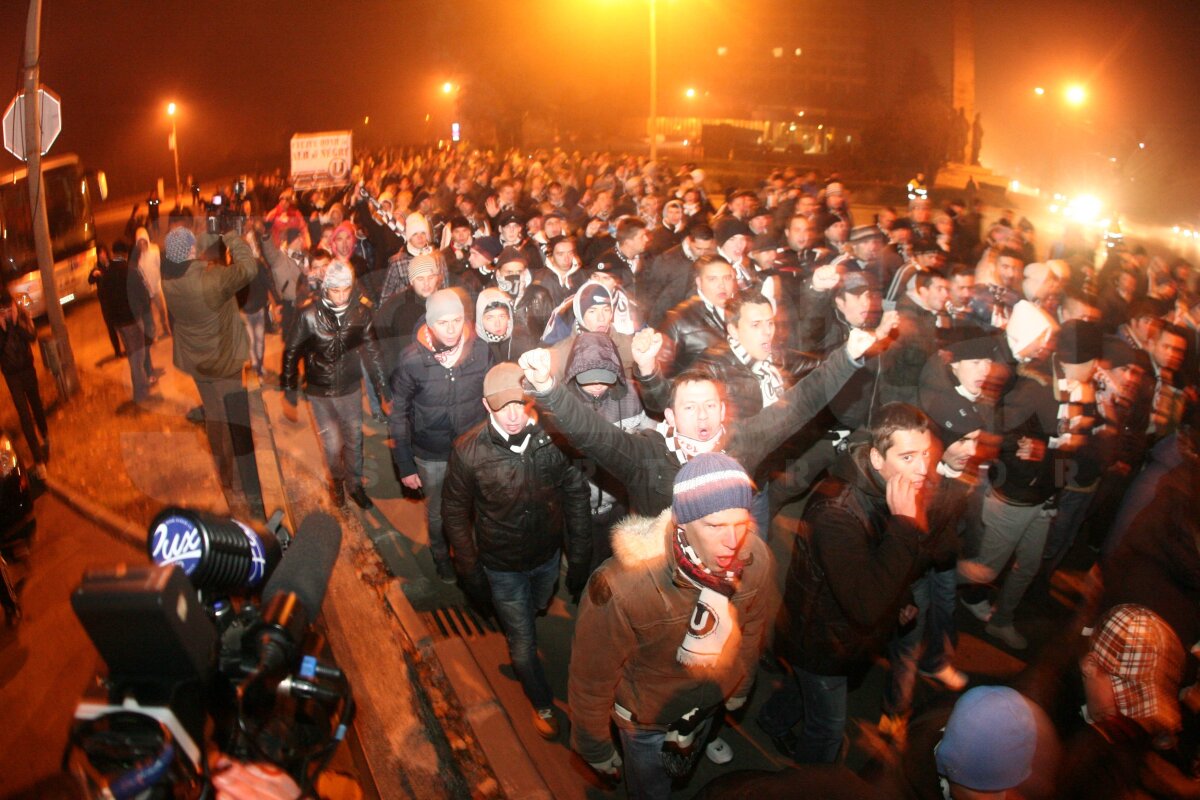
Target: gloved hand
577, 578
610, 769
734, 703
477, 589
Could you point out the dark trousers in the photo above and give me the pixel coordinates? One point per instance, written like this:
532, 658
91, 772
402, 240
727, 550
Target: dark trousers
134, 339
23, 386
227, 423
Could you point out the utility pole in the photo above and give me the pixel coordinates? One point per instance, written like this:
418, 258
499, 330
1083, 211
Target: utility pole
652, 125
60, 342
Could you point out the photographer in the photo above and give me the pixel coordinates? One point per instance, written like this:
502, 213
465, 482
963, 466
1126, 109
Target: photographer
211, 345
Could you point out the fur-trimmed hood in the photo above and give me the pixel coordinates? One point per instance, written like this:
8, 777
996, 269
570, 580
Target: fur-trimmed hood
641, 540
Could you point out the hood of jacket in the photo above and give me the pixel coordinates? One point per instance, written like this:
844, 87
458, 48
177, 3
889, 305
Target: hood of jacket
593, 351
487, 298
854, 467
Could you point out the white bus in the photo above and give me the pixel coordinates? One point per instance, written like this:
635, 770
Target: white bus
70, 194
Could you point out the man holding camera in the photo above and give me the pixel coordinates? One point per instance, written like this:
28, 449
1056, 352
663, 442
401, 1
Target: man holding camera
211, 345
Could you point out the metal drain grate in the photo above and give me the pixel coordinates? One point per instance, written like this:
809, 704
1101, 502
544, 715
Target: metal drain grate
457, 622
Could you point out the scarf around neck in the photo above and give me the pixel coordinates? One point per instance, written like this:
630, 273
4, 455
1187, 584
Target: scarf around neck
446, 356
714, 617
686, 448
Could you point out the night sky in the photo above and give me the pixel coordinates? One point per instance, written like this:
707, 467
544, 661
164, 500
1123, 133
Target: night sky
247, 75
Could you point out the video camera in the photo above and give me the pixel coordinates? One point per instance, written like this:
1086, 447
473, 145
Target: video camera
209, 646
222, 216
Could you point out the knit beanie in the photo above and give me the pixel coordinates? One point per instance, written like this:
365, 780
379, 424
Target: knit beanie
1080, 341
709, 483
415, 223
338, 275
442, 303
1028, 324
421, 265
178, 244
989, 741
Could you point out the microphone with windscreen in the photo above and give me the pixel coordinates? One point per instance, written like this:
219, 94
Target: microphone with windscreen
293, 596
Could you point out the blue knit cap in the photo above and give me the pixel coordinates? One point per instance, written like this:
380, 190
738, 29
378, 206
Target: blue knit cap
989, 741
709, 483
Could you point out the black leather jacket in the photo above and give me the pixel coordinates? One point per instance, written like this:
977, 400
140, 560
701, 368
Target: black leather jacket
691, 328
743, 396
333, 350
512, 511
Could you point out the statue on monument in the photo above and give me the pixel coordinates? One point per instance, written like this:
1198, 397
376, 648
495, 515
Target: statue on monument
959, 132
976, 140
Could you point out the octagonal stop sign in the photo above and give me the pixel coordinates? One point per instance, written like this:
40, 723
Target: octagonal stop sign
14, 122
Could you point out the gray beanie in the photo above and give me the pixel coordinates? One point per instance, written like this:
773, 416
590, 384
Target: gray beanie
442, 303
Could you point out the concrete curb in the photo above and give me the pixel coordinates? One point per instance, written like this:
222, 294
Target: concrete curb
519, 778
121, 528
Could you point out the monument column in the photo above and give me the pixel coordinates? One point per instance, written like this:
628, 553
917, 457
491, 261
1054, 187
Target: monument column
963, 91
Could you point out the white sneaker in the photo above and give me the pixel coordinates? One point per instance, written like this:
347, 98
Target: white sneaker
982, 610
953, 679
719, 751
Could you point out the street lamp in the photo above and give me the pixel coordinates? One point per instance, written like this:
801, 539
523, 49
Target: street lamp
689, 93
171, 108
1039, 91
1076, 95
447, 87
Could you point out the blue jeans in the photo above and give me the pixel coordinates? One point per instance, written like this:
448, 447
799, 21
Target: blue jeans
645, 777
1072, 509
933, 594
372, 397
817, 700
256, 328
433, 475
339, 425
518, 597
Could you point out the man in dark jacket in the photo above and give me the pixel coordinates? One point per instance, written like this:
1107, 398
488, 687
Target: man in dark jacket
512, 503
531, 302
847, 588
699, 322
17, 335
435, 399
335, 336
128, 302
1043, 419
671, 279
397, 321
624, 259
646, 461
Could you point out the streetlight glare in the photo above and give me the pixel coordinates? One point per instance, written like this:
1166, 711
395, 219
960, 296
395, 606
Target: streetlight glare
447, 87
690, 93
1039, 91
1076, 95
171, 109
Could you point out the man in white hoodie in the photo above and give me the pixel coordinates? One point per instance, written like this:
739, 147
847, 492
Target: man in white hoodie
149, 266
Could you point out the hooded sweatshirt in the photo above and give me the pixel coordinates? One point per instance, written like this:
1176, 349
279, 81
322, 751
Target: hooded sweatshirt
511, 344
619, 405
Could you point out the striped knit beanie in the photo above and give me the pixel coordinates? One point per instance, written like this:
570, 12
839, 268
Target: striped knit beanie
709, 483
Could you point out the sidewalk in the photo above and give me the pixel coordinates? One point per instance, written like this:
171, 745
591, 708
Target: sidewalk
119, 464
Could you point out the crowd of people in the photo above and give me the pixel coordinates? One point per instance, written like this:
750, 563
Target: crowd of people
603, 369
